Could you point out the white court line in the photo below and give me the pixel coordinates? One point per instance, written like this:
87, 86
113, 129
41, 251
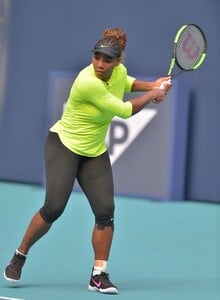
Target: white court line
8, 298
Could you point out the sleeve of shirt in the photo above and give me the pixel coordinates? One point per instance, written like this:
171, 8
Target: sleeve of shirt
95, 91
129, 83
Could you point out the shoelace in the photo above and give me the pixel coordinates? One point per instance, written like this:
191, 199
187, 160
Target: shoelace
17, 262
105, 277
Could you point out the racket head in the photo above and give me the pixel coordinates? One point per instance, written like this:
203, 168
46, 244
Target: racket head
190, 47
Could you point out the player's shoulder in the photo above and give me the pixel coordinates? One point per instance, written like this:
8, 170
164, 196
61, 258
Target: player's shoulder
121, 68
87, 80
119, 71
88, 71
86, 75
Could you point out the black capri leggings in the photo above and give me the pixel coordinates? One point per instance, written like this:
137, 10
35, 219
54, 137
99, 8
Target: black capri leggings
94, 175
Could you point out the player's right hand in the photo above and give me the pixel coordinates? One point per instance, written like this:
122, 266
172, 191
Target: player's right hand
158, 95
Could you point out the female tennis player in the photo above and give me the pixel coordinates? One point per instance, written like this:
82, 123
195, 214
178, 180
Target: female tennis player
75, 148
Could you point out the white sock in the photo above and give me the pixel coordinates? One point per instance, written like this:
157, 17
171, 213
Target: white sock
19, 252
99, 266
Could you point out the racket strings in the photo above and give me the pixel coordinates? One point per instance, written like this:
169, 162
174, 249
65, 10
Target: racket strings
190, 47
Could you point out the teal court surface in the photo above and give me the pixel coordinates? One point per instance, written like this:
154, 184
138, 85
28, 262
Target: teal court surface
161, 251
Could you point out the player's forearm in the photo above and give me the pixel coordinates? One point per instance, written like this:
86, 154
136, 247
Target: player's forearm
140, 102
140, 85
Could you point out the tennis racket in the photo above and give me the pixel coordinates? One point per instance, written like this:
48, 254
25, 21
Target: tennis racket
189, 50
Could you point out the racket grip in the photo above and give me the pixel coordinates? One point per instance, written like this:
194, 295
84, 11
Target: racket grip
164, 83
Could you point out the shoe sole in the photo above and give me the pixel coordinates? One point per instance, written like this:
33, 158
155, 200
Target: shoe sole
10, 279
111, 290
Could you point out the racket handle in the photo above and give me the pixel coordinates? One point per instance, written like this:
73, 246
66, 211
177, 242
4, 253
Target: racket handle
164, 83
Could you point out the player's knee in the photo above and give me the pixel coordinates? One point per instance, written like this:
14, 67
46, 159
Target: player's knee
50, 215
105, 221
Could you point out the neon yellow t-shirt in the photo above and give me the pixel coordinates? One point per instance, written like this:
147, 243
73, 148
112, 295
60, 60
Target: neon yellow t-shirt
91, 105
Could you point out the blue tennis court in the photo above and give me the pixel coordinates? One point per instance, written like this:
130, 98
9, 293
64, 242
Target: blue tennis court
161, 251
